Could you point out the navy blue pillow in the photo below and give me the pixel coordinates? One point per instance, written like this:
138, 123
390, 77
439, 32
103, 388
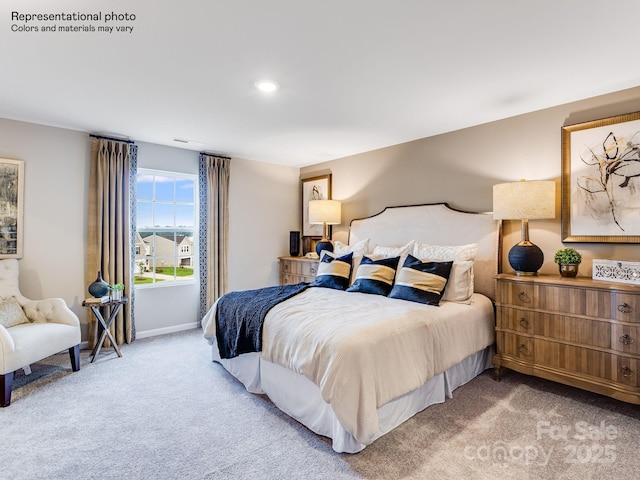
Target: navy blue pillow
334, 272
421, 282
375, 276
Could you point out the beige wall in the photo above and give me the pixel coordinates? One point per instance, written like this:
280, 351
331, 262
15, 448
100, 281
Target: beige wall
263, 208
55, 209
461, 168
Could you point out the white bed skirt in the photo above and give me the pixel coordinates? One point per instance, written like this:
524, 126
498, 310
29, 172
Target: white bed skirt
299, 398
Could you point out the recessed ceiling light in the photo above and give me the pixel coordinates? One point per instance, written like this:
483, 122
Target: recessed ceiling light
266, 86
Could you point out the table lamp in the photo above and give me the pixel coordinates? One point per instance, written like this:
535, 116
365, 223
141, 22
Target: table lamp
525, 201
324, 212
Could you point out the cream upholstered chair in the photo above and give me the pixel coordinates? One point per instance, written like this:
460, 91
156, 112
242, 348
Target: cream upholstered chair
49, 327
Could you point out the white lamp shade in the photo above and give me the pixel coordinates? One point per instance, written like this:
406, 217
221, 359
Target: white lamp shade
524, 200
327, 212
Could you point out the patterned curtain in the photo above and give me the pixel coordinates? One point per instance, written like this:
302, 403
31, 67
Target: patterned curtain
214, 228
109, 233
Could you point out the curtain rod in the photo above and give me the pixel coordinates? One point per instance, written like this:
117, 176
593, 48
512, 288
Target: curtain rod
215, 155
111, 138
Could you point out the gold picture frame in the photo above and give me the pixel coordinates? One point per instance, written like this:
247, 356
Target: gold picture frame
314, 188
601, 180
11, 207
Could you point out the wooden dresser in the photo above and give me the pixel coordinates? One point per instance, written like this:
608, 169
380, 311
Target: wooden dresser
297, 269
574, 331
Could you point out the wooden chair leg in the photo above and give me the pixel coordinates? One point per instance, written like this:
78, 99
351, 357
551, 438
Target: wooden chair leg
6, 383
74, 355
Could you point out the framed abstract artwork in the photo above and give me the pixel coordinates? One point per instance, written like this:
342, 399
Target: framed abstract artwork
601, 180
11, 204
314, 188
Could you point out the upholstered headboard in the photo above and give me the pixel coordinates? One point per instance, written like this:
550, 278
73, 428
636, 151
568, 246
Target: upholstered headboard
437, 224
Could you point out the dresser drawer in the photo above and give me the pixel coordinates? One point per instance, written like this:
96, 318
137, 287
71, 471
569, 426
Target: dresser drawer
625, 307
559, 327
286, 279
516, 294
566, 300
309, 269
287, 267
514, 345
578, 330
626, 371
291, 267
625, 338
515, 319
594, 363
601, 365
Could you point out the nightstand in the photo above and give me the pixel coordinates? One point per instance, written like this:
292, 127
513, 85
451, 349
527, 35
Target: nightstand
112, 307
575, 331
297, 269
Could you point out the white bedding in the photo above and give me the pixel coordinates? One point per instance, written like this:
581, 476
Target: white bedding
363, 350
310, 369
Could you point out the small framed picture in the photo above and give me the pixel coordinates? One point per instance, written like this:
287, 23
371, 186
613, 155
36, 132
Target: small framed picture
315, 188
11, 202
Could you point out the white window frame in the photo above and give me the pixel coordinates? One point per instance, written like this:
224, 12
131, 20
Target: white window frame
193, 230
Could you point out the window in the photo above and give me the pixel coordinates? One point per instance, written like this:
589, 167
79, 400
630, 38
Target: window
165, 227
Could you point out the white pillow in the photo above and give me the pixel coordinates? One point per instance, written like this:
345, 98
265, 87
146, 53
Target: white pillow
460, 285
360, 248
387, 252
446, 253
394, 251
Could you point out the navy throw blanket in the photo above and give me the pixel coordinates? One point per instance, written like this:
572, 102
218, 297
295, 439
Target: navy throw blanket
240, 315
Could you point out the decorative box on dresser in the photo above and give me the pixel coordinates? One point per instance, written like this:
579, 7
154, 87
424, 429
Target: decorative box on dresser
575, 331
297, 269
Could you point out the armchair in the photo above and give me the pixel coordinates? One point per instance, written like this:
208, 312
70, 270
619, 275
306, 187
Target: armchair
51, 327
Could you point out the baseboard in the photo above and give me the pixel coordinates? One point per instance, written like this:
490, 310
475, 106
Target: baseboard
163, 331
155, 332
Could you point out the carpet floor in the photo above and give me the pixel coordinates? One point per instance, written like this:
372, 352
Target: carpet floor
165, 411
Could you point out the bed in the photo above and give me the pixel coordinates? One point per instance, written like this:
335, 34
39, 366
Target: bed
352, 365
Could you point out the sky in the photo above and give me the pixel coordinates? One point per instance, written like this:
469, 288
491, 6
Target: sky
164, 201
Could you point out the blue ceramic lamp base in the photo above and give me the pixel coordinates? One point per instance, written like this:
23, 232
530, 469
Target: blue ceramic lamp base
526, 258
324, 244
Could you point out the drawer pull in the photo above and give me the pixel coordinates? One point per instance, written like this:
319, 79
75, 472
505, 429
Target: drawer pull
313, 271
285, 267
524, 322
627, 372
626, 339
524, 297
523, 349
624, 308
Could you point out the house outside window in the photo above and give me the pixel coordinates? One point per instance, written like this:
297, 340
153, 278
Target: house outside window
165, 228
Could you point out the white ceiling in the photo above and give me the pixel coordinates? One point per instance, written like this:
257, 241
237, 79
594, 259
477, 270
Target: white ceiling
354, 75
